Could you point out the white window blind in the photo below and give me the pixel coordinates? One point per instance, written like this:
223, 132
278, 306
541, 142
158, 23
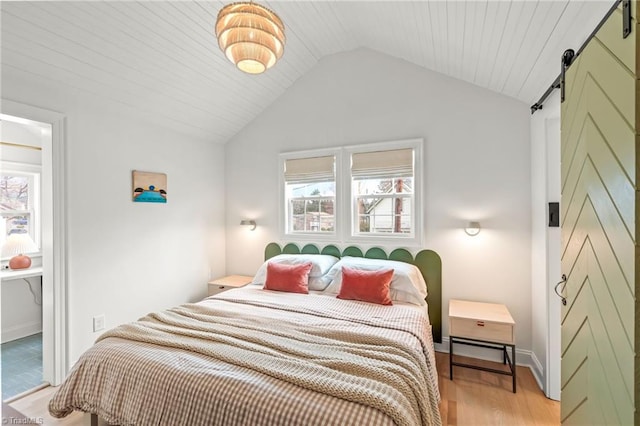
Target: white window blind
382, 164
314, 169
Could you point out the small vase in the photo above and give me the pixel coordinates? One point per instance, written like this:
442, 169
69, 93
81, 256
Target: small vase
20, 262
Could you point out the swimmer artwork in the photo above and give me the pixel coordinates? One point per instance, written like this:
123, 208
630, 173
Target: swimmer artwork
149, 187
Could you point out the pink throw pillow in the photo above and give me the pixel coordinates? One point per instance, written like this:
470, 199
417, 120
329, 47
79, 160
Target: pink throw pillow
291, 278
367, 286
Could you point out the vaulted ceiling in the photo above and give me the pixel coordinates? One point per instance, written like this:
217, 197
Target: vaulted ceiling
161, 57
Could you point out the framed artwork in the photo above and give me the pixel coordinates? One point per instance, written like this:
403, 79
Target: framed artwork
149, 187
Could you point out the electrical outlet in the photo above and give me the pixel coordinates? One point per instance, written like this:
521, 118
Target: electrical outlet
98, 323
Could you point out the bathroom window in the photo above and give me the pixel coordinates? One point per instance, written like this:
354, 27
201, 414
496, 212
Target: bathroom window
19, 201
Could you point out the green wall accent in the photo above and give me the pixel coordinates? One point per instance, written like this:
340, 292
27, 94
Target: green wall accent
427, 261
310, 249
291, 249
430, 264
375, 253
353, 252
401, 255
332, 251
271, 250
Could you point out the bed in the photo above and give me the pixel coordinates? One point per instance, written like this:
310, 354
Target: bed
261, 355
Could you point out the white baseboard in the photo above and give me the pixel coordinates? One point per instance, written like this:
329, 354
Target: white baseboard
20, 331
538, 372
524, 357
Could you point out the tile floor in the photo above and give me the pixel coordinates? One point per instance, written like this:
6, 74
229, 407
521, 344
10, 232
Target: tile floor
21, 365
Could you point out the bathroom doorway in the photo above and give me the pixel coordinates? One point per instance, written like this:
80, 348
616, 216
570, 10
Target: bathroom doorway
21, 255
54, 235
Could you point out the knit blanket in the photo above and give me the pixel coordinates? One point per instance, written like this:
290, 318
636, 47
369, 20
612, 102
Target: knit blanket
339, 357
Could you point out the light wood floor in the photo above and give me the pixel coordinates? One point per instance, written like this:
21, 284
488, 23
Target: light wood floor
480, 398
34, 406
472, 398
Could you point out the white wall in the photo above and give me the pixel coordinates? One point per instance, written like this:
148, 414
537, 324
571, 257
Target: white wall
126, 259
21, 315
476, 161
545, 247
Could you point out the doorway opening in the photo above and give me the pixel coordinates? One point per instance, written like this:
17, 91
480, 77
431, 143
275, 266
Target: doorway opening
21, 254
51, 278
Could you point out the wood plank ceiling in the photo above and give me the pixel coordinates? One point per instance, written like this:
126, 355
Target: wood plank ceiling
161, 58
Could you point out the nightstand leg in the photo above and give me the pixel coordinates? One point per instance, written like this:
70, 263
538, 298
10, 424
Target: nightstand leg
450, 358
513, 356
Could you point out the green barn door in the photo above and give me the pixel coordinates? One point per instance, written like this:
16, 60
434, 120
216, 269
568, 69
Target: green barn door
599, 374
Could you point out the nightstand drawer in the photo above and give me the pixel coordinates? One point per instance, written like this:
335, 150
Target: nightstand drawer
216, 289
219, 285
481, 330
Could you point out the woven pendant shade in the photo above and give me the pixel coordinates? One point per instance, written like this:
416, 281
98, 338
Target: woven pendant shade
251, 36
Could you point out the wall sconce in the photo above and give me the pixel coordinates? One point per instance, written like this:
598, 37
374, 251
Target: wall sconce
472, 229
251, 223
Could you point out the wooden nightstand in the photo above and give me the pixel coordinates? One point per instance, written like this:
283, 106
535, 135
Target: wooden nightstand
225, 283
485, 325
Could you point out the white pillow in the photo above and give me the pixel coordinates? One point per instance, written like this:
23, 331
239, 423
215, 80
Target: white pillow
407, 284
320, 265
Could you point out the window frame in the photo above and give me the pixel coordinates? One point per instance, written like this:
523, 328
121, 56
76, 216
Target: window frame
34, 173
415, 238
283, 212
345, 212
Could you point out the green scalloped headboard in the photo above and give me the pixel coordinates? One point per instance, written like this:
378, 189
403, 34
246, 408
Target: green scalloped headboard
428, 261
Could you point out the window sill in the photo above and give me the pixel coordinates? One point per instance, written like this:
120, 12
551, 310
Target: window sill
407, 241
310, 237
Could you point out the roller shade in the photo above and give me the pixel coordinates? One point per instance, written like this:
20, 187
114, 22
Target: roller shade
314, 169
382, 164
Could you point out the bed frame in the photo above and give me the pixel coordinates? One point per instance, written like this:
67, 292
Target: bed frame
427, 261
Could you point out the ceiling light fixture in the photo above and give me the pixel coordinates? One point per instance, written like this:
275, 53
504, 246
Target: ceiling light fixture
250, 35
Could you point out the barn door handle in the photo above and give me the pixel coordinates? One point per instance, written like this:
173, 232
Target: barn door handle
558, 292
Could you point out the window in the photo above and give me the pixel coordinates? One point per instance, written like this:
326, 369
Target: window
382, 192
19, 201
379, 186
310, 195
